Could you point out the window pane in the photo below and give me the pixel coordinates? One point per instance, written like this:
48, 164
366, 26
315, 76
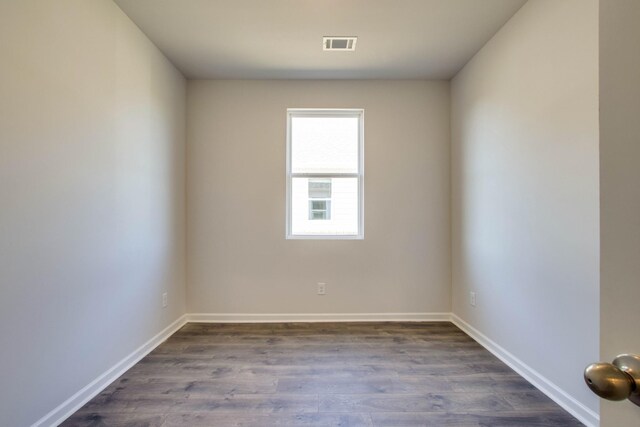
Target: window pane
320, 188
324, 144
338, 215
318, 215
319, 205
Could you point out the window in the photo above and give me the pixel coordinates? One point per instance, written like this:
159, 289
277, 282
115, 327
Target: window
324, 174
320, 199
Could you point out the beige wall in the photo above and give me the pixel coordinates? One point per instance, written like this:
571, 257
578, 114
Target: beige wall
92, 186
619, 191
525, 192
239, 260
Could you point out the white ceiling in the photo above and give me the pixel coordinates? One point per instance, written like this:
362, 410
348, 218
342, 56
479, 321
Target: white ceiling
282, 39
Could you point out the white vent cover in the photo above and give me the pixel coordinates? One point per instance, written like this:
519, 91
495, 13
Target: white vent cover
339, 43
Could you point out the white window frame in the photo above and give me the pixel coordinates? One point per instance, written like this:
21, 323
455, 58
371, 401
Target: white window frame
327, 112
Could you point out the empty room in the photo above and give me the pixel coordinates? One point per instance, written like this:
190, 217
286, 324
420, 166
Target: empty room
319, 213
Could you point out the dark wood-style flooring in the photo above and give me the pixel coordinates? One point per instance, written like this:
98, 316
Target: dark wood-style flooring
321, 374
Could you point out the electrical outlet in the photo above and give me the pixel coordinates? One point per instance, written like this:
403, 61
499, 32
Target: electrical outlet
164, 300
472, 298
322, 288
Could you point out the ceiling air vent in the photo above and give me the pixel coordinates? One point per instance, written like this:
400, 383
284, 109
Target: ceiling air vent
339, 43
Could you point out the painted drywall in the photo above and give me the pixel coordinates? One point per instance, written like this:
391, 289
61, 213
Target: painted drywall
619, 192
525, 210
92, 186
239, 260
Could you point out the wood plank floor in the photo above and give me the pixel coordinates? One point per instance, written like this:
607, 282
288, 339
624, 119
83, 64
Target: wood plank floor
321, 374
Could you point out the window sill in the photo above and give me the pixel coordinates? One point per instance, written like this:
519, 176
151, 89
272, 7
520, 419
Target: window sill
325, 237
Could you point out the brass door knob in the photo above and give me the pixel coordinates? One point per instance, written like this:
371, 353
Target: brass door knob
619, 380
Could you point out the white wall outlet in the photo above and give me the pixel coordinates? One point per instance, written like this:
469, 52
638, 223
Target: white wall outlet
472, 298
322, 288
164, 300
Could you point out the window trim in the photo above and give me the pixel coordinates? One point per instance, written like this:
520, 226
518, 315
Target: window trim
326, 112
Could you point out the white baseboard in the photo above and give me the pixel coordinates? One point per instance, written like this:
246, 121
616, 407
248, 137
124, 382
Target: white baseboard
75, 402
561, 397
317, 317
